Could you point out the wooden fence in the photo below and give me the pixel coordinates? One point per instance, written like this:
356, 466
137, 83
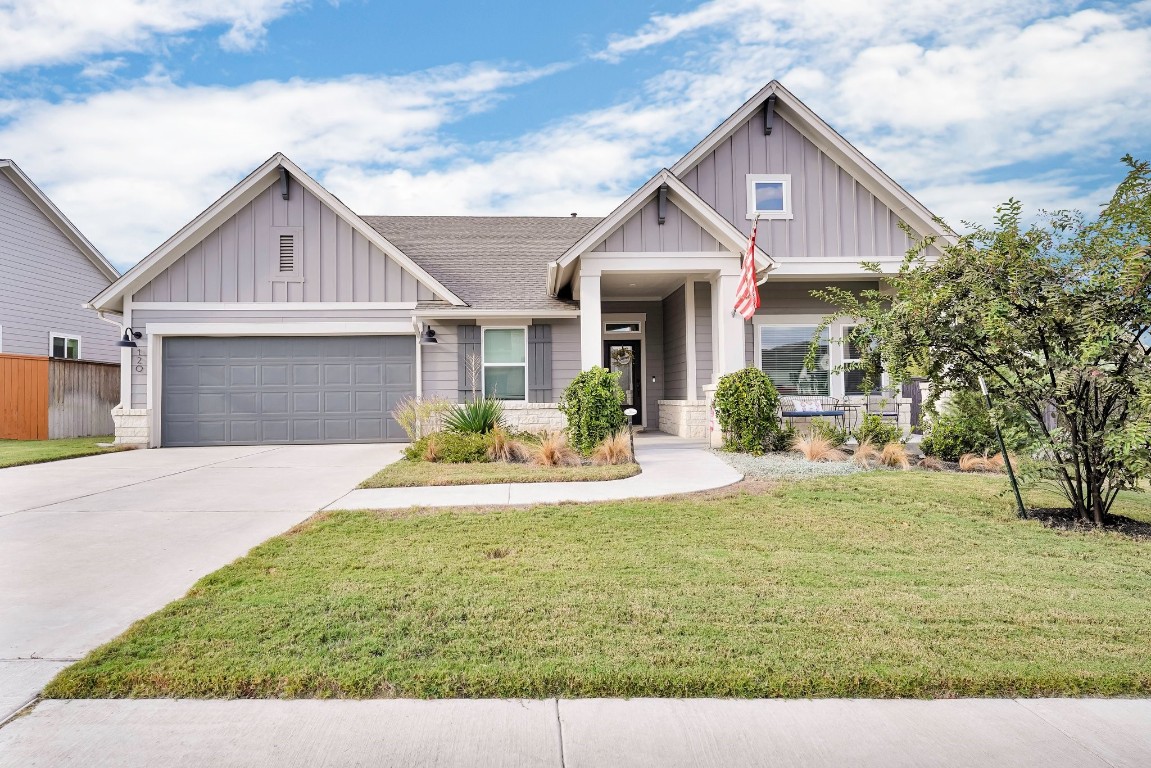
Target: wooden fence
23, 397
42, 398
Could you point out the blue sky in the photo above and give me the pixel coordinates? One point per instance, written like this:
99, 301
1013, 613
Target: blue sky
133, 116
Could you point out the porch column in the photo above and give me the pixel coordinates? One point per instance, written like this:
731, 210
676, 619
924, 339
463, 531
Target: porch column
590, 324
729, 327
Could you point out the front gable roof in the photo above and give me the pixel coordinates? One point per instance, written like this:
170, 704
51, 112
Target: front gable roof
58, 219
827, 139
240, 195
678, 193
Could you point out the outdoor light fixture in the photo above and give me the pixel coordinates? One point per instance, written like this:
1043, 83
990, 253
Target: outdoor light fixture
428, 336
129, 335
630, 412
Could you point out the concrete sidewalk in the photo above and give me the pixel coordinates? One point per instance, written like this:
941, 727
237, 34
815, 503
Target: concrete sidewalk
670, 465
661, 733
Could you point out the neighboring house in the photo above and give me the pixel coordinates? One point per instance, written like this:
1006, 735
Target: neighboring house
279, 315
48, 271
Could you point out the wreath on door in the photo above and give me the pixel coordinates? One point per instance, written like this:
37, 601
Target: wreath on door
623, 356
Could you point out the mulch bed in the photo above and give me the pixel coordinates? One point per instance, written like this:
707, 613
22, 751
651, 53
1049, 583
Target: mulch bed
1065, 519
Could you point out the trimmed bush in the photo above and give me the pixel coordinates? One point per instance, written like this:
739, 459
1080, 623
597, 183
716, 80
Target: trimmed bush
450, 447
826, 429
873, 429
593, 405
965, 427
747, 405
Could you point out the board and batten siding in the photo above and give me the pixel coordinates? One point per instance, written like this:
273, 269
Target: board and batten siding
440, 361
236, 263
642, 233
44, 282
652, 350
834, 215
675, 346
703, 340
142, 318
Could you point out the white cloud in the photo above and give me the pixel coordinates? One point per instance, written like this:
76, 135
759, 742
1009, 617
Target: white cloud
66, 31
131, 166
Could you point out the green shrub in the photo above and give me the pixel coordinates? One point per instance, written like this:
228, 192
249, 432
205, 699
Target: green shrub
873, 429
826, 429
781, 439
964, 427
477, 417
746, 406
593, 405
450, 447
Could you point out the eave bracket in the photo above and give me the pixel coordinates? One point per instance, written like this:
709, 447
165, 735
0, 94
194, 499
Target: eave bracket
662, 205
768, 114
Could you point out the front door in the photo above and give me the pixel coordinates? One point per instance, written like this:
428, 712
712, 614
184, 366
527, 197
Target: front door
623, 358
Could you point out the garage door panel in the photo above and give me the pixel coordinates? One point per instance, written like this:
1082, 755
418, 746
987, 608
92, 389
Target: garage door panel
284, 389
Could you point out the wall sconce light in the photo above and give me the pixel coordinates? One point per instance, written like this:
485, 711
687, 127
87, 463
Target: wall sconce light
428, 336
129, 335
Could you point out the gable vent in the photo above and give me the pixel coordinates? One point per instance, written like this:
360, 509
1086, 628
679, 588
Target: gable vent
287, 253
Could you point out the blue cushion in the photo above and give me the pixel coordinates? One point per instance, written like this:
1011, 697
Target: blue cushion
813, 413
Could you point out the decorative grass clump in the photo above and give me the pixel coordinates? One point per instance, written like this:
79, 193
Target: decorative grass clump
816, 448
613, 449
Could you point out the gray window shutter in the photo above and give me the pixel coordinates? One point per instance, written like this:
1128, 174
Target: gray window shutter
470, 364
539, 363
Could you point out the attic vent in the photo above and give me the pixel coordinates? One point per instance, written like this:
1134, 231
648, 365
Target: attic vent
287, 253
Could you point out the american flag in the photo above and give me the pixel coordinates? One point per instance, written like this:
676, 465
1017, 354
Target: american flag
747, 292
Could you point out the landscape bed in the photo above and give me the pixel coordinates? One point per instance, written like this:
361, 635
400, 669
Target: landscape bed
406, 474
876, 584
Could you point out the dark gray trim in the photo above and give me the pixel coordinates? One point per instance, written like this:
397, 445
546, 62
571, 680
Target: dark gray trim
768, 114
662, 204
469, 348
539, 363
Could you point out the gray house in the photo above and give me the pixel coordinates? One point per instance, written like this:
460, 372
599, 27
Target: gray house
48, 272
279, 315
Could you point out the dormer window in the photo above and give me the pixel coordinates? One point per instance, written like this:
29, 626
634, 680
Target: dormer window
769, 195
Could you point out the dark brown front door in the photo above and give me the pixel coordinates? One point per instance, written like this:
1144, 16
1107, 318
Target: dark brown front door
623, 358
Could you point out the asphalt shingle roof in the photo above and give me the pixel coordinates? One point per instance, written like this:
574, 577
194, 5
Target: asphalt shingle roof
491, 262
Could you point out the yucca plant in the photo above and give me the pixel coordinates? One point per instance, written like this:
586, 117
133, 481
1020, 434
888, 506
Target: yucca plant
477, 417
613, 449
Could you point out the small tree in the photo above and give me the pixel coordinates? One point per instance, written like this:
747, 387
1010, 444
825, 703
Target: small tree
593, 405
1056, 317
746, 406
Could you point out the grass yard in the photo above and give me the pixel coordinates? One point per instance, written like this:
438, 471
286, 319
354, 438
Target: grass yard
14, 453
876, 584
405, 474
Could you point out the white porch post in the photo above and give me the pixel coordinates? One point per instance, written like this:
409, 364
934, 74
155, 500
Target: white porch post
729, 327
590, 324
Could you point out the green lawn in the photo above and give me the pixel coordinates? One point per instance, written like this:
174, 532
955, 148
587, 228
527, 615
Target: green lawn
405, 474
13, 453
877, 584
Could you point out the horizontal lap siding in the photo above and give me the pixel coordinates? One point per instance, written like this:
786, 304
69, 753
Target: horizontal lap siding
23, 397
44, 283
675, 346
440, 361
834, 215
235, 263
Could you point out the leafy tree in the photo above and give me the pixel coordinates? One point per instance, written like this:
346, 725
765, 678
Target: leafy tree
1055, 316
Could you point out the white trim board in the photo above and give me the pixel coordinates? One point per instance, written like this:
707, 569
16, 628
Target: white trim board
275, 306
389, 327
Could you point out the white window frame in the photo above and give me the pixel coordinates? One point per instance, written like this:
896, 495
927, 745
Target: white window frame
484, 359
785, 179
844, 330
637, 333
53, 335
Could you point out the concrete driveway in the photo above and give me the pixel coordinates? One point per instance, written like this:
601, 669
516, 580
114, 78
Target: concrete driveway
87, 546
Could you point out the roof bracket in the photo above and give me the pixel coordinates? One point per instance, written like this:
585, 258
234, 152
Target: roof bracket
768, 114
283, 182
662, 209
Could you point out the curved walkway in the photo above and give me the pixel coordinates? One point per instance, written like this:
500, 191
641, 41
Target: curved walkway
670, 465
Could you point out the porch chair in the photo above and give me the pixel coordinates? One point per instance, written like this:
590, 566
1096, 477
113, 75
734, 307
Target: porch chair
882, 404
